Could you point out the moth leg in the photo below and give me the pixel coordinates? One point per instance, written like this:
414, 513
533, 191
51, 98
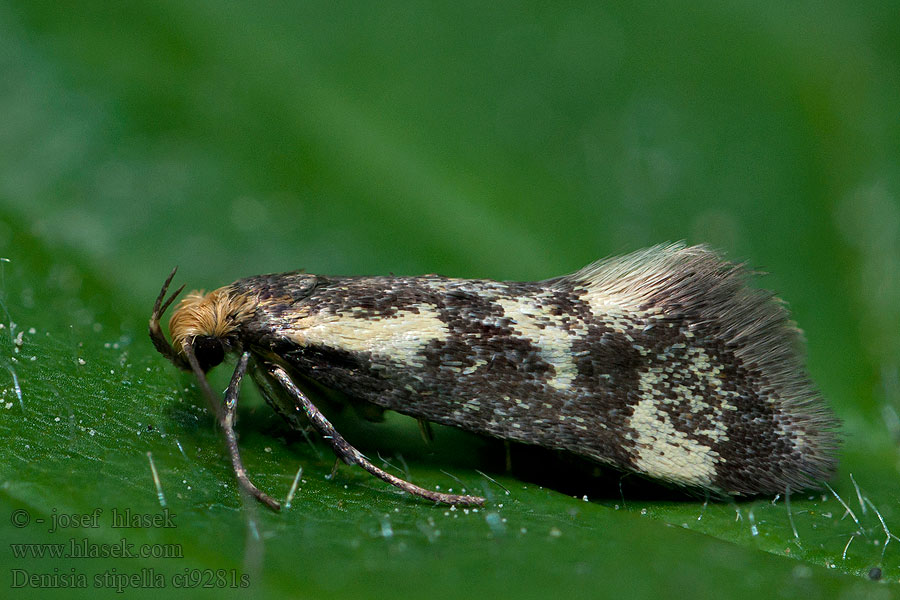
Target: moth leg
227, 423
351, 455
426, 430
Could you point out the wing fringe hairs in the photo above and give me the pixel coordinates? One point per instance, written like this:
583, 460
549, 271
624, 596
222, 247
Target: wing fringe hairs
695, 285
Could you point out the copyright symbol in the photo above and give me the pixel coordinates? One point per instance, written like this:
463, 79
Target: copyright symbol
20, 518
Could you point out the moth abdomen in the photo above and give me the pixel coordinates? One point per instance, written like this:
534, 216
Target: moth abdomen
663, 362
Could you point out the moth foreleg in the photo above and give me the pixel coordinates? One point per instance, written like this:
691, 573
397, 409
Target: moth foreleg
227, 423
351, 455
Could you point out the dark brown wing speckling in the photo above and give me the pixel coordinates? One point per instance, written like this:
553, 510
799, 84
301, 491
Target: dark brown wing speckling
662, 362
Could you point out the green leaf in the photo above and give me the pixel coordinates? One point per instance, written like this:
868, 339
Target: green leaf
478, 141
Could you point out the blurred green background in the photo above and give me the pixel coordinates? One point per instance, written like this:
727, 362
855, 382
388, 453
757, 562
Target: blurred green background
510, 141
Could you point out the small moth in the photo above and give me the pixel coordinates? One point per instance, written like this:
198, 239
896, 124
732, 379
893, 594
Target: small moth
662, 362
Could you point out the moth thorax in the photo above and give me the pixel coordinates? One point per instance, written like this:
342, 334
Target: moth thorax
204, 319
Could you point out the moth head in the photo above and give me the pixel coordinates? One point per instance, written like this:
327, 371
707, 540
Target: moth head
209, 324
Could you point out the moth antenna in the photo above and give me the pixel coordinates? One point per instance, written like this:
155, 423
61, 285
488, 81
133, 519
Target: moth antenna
157, 336
171, 298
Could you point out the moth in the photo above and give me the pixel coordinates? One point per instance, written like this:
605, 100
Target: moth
663, 362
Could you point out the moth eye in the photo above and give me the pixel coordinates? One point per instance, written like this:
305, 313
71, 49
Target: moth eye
208, 350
